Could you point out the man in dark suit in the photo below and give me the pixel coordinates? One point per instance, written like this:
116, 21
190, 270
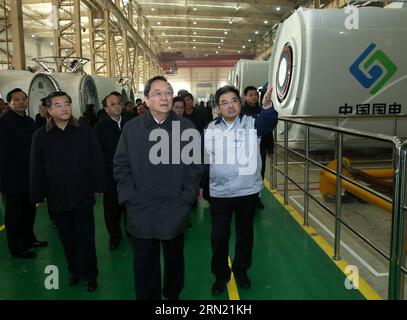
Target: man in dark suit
108, 132
42, 115
16, 129
66, 169
158, 194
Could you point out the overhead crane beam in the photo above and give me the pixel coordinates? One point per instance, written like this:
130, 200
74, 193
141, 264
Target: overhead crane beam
108, 5
17, 32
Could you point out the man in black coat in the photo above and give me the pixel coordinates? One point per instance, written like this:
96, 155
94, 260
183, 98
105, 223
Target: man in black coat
16, 129
108, 132
196, 115
158, 189
66, 169
42, 115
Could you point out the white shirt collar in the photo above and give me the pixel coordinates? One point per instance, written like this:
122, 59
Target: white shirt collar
117, 121
160, 122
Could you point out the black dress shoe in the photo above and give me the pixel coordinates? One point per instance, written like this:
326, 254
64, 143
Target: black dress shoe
38, 244
25, 254
218, 287
73, 279
243, 281
91, 286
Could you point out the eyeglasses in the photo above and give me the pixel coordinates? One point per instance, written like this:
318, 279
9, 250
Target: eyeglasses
226, 103
158, 94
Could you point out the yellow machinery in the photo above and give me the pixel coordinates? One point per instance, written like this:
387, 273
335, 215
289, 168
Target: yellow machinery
378, 179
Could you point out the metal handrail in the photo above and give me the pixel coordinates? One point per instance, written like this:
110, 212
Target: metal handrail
396, 257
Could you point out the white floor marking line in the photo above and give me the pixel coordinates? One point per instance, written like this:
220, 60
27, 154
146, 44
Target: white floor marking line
343, 244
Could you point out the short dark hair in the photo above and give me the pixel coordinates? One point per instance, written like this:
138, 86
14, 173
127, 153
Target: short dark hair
57, 94
10, 94
226, 89
249, 88
147, 88
139, 100
182, 92
188, 94
176, 99
113, 93
127, 102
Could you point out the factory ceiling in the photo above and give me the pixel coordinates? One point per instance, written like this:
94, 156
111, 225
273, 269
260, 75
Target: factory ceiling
191, 27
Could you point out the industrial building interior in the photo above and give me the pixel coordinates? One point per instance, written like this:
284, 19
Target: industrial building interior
332, 228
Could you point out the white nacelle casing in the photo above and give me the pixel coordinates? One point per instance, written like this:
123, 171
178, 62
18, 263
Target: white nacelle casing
328, 69
104, 87
81, 88
36, 86
250, 73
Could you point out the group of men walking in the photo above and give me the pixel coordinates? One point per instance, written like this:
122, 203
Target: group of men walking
153, 180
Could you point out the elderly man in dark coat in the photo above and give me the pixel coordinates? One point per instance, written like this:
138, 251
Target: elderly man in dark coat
158, 194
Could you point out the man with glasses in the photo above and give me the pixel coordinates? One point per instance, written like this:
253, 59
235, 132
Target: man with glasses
66, 170
232, 150
157, 194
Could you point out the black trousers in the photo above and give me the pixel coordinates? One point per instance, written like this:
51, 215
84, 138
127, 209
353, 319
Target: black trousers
76, 230
19, 221
221, 213
112, 213
147, 269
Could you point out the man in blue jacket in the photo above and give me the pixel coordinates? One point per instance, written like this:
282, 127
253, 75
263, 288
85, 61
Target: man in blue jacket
232, 149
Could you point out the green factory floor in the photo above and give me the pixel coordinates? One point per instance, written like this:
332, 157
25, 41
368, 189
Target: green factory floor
287, 263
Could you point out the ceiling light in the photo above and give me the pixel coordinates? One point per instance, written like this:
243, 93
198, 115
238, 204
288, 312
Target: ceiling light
217, 52
193, 40
194, 32
221, 40
244, 47
51, 43
152, 9
194, 22
163, 33
278, 8
225, 32
33, 35
256, 32
230, 22
250, 40
265, 21
166, 41
195, 9
158, 22
239, 51
218, 47
169, 47
194, 47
